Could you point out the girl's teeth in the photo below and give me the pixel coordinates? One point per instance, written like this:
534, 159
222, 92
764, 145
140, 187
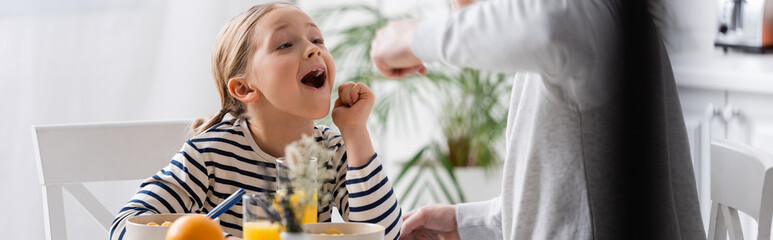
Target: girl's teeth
319, 72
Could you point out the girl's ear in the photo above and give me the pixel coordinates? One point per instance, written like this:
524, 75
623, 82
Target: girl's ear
241, 90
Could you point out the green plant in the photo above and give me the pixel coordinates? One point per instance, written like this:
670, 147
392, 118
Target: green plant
472, 113
473, 120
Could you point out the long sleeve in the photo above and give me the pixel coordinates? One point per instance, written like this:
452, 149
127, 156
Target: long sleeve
366, 193
480, 220
177, 188
552, 37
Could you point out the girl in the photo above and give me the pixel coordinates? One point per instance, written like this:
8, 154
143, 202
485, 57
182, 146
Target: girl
275, 77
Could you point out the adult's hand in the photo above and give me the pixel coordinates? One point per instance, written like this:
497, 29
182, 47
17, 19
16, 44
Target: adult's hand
431, 222
391, 50
459, 4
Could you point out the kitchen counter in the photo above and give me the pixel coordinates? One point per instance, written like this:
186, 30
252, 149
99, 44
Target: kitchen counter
734, 71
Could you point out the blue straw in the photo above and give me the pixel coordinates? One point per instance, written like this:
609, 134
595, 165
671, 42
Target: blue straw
227, 204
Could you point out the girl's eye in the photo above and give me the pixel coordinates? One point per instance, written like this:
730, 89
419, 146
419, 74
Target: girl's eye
318, 41
286, 45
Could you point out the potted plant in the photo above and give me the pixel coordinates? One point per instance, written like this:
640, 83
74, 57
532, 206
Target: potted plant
472, 109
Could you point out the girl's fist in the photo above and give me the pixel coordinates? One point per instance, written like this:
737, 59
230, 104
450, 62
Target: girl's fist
352, 108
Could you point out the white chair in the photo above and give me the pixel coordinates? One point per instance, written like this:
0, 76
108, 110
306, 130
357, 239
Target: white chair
741, 179
69, 155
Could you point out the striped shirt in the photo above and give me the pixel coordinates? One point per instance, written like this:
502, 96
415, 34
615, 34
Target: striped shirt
219, 161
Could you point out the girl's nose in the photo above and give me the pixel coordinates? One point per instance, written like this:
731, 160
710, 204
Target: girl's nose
312, 51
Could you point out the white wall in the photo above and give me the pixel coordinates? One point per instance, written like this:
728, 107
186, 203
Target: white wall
690, 25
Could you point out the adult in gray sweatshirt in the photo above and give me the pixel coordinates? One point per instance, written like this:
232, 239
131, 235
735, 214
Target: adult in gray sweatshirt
596, 143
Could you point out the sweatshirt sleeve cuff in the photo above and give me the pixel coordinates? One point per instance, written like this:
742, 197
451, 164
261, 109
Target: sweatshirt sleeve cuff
375, 155
479, 220
427, 41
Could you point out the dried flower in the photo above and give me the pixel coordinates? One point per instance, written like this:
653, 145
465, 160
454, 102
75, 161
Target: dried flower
304, 178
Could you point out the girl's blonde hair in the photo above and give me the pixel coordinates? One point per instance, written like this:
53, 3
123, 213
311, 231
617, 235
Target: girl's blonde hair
230, 59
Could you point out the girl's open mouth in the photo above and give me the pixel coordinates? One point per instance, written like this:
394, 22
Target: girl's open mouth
315, 78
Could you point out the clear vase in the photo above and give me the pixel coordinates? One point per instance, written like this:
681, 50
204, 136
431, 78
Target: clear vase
301, 178
292, 236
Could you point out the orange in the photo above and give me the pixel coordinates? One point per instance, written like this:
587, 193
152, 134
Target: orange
194, 227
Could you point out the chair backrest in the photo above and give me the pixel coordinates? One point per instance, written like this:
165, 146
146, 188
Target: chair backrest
741, 179
69, 155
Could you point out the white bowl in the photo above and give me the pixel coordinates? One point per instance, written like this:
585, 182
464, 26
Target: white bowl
137, 228
350, 230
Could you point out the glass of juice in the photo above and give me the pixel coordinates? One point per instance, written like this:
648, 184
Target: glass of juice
258, 225
306, 183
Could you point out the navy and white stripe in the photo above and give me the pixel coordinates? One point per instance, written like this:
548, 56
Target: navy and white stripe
216, 163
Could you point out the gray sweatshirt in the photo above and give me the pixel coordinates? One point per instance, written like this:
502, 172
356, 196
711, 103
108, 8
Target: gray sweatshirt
556, 177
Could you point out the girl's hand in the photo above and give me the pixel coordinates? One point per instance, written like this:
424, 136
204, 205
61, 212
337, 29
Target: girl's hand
350, 114
352, 108
232, 238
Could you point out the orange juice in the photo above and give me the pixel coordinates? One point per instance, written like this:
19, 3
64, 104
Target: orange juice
309, 210
261, 230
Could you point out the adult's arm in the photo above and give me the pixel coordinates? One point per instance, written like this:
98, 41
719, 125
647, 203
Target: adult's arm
480, 220
551, 37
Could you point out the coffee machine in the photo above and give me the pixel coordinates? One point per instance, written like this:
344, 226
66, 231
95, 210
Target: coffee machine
745, 24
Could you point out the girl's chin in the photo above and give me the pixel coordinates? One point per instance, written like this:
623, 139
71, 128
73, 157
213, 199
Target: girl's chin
319, 114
